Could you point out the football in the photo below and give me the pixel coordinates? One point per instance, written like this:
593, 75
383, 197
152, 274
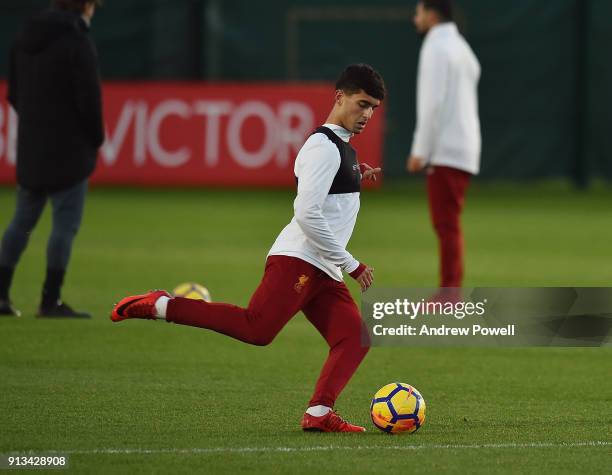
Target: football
397, 408
191, 290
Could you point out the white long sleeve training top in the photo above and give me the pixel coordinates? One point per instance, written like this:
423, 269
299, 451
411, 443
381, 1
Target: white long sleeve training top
322, 224
448, 128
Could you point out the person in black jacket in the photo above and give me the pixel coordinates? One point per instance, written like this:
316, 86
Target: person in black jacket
54, 86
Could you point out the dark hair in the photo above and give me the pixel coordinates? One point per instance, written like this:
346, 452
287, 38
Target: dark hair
74, 5
444, 8
364, 77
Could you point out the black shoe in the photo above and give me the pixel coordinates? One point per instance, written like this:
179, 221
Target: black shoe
7, 309
60, 310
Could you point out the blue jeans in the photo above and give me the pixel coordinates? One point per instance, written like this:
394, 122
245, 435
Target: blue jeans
67, 207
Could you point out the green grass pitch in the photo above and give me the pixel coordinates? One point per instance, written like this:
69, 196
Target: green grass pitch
148, 397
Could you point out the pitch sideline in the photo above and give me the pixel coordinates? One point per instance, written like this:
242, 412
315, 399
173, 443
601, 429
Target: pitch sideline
239, 450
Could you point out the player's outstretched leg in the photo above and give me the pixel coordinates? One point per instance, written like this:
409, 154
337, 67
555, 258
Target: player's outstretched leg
334, 313
138, 306
287, 283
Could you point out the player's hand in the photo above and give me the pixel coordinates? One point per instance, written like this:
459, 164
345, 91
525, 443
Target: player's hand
415, 164
369, 173
366, 278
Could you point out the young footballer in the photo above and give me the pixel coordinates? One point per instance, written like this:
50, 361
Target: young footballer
303, 270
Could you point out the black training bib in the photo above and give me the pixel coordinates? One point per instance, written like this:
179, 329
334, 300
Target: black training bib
348, 177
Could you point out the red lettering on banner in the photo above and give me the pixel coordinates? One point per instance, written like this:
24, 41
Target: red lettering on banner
203, 134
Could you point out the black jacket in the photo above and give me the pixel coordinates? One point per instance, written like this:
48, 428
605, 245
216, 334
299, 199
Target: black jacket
54, 85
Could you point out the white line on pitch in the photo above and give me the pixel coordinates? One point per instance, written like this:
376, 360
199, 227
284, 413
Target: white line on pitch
216, 450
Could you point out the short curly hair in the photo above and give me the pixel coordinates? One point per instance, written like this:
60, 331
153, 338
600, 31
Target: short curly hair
356, 77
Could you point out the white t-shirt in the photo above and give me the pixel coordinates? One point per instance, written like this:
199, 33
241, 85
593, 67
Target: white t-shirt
322, 224
448, 128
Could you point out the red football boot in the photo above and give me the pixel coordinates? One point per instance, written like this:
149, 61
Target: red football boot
330, 422
138, 306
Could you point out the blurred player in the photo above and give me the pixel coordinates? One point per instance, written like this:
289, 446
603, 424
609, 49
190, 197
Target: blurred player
304, 267
447, 139
54, 86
